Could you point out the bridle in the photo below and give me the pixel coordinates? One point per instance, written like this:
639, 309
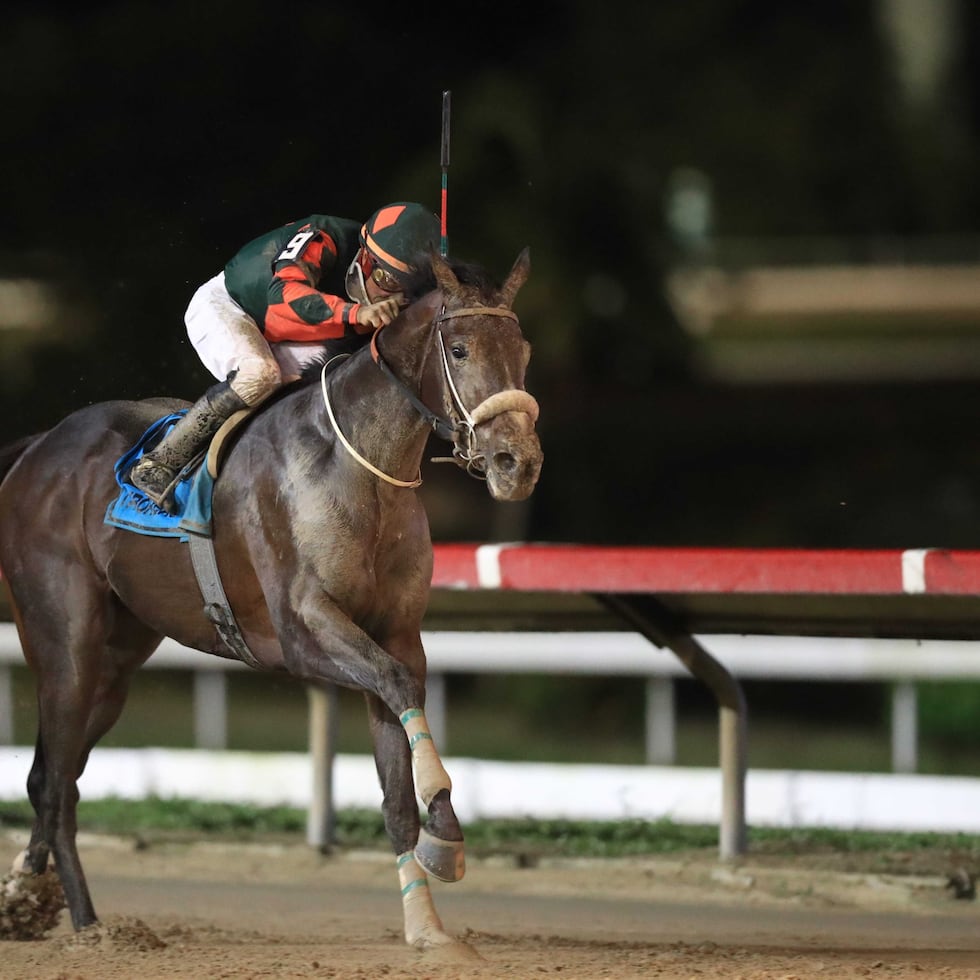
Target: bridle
460, 427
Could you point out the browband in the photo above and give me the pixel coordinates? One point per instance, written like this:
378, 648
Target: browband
476, 311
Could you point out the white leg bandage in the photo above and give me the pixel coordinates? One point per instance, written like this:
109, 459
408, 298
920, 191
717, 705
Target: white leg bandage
422, 924
430, 775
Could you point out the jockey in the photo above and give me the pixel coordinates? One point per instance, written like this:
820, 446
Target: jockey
277, 305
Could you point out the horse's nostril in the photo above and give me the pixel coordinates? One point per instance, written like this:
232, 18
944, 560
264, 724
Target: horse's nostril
504, 462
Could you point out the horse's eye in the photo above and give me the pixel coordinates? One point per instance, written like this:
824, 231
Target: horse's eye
458, 351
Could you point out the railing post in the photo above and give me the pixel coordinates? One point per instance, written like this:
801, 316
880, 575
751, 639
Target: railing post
905, 727
6, 706
733, 760
435, 709
661, 722
210, 709
321, 820
657, 624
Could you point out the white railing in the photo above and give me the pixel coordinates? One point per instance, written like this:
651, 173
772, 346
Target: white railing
900, 663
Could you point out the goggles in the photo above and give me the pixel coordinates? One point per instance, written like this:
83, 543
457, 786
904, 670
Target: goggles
363, 268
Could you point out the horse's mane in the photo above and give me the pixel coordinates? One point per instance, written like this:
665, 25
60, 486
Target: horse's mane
469, 274
419, 283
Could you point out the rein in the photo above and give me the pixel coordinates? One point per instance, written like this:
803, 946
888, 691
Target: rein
408, 484
459, 431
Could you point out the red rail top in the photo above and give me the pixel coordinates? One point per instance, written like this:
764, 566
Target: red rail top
586, 568
747, 571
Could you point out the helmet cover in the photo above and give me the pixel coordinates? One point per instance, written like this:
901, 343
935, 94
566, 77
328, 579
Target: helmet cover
398, 232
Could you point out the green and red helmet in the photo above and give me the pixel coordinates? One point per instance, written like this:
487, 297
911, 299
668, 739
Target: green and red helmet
398, 232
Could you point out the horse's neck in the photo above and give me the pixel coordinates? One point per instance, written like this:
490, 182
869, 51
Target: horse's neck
375, 417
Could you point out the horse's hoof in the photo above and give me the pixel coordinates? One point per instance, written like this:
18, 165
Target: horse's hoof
451, 951
443, 859
21, 863
30, 905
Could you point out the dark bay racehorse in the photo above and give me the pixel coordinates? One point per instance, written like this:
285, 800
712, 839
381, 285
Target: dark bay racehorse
322, 544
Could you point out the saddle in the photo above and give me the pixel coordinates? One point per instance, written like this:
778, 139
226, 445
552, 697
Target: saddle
219, 441
131, 510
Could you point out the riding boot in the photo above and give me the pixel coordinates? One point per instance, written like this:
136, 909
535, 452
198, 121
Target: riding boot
156, 473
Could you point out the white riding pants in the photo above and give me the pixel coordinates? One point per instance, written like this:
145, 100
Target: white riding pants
227, 339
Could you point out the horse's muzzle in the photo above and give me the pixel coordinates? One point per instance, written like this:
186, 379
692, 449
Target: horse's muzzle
511, 456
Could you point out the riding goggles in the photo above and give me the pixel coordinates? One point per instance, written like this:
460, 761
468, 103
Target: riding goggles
364, 267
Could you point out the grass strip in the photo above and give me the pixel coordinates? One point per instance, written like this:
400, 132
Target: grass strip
526, 839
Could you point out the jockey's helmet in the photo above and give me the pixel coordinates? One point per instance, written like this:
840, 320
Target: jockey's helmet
390, 240
398, 232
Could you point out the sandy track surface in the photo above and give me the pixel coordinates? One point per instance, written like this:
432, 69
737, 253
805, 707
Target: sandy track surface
209, 910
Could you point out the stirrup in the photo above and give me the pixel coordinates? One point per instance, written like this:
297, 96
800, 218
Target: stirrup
156, 481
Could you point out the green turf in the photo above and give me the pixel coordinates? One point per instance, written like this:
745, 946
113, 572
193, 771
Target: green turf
155, 819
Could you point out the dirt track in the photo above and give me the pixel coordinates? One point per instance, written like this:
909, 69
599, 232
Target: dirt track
247, 910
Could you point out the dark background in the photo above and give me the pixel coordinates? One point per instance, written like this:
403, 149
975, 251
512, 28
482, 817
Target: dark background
145, 142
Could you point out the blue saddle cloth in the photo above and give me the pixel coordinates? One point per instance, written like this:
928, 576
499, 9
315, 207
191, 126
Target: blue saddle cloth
132, 510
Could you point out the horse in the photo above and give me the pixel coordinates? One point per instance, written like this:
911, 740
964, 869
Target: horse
322, 544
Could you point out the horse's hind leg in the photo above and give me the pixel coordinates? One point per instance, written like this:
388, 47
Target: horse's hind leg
63, 710
34, 858
81, 691
393, 758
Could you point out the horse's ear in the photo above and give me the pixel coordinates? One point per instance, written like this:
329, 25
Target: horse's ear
445, 277
516, 278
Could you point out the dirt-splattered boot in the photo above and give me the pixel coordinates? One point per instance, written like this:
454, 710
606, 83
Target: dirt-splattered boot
157, 471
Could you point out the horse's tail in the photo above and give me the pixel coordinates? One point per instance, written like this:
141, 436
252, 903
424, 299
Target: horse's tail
9, 454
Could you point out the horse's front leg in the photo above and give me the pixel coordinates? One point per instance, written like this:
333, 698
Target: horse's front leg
393, 671
326, 646
440, 843
393, 758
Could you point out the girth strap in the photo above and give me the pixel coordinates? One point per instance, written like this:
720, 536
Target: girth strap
216, 606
